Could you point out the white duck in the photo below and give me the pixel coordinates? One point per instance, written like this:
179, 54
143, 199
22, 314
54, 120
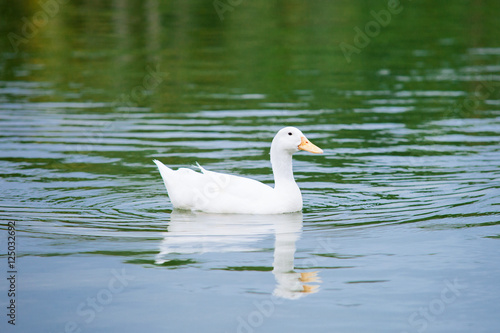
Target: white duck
214, 192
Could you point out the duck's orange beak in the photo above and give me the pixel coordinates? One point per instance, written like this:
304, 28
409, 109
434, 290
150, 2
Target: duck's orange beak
308, 146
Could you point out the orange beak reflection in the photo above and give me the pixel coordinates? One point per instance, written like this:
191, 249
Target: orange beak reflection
308, 146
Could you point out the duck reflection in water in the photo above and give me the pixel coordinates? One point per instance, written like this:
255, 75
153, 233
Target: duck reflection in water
192, 233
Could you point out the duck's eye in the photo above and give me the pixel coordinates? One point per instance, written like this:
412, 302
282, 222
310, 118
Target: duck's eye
289, 133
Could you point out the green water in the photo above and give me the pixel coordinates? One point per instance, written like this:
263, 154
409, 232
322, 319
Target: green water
400, 226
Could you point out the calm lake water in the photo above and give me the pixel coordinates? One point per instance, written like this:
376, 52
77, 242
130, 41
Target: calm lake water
400, 230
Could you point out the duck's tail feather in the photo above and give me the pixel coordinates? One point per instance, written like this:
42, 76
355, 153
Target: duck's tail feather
165, 171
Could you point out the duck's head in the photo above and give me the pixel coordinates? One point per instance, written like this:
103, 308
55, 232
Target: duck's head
291, 139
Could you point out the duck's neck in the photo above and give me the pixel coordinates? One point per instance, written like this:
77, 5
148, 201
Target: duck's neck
281, 162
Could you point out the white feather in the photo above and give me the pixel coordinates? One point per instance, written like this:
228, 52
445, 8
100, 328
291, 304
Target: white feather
215, 192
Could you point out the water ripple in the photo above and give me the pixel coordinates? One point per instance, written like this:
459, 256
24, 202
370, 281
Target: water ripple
90, 175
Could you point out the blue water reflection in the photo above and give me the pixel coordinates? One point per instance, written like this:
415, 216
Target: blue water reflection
403, 204
199, 233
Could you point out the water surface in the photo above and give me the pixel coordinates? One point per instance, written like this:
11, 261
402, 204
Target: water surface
400, 226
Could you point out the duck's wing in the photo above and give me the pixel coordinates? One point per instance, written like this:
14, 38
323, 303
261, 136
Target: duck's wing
212, 191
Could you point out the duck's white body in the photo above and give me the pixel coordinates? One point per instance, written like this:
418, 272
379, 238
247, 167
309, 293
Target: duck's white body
215, 192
